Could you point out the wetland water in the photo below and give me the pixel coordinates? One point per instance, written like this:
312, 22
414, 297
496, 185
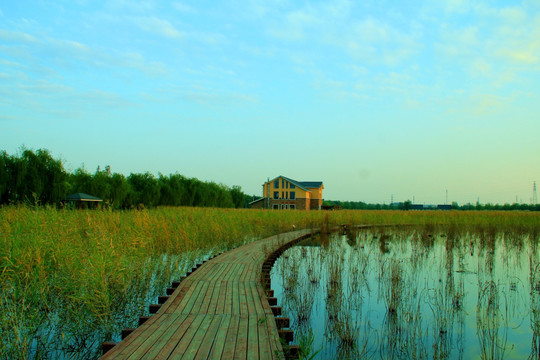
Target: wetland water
413, 294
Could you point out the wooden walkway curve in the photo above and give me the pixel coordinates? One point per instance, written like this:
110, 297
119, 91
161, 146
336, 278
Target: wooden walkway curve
219, 312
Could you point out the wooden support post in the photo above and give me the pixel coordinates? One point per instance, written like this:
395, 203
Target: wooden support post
283, 322
276, 310
106, 346
143, 319
294, 352
272, 301
286, 335
126, 332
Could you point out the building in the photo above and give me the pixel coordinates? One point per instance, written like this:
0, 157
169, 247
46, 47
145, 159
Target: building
83, 200
285, 193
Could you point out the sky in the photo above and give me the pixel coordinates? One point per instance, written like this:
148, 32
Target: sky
380, 100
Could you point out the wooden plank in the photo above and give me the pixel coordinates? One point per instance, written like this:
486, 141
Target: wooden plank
218, 312
235, 307
186, 339
216, 296
221, 336
232, 334
209, 336
204, 303
220, 301
265, 349
180, 296
242, 300
132, 342
190, 300
169, 343
240, 350
159, 339
197, 340
253, 337
250, 303
140, 343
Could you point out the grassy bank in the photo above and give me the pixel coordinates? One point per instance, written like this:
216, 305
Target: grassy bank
72, 279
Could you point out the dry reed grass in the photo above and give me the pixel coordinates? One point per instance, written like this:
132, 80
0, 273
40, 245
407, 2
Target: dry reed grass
71, 279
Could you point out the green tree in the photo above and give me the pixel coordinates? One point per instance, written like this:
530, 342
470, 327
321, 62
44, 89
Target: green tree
145, 189
237, 197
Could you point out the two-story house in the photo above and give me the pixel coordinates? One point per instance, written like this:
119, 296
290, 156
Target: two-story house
285, 193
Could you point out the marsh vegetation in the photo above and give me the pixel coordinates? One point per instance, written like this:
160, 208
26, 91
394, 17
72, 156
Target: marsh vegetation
70, 280
416, 292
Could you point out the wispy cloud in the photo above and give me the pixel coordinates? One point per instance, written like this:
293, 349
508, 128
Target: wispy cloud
158, 26
375, 41
17, 36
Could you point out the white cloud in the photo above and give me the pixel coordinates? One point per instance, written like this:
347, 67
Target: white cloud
16, 36
375, 41
158, 26
514, 14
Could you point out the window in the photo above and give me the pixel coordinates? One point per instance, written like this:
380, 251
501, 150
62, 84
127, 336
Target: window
275, 206
283, 194
276, 194
292, 195
284, 206
283, 183
292, 186
276, 184
292, 206
287, 185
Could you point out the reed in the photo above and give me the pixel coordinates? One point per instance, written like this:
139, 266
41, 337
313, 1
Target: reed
72, 279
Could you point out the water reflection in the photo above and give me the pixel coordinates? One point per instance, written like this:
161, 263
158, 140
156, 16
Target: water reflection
414, 294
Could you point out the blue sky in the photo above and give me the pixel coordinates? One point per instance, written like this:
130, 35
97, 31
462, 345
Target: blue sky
372, 98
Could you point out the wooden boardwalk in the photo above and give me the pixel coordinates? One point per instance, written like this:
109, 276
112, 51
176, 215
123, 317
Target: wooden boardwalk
220, 311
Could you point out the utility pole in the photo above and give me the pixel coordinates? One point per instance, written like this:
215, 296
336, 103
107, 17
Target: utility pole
534, 198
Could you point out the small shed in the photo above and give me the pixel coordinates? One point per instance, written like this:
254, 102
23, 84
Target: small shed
80, 198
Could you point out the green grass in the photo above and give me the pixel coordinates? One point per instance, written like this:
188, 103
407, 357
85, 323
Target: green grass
72, 279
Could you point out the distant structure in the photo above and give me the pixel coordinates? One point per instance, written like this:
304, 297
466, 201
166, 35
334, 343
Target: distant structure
534, 198
82, 198
284, 193
431, 207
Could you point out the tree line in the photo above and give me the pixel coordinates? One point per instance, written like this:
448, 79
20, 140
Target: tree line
407, 205
35, 177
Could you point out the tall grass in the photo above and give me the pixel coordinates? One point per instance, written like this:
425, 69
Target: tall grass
71, 279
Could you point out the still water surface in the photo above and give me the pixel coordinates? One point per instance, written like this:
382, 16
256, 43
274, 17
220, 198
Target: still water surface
413, 294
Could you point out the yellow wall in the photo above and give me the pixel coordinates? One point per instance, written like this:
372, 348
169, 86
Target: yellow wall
316, 193
299, 193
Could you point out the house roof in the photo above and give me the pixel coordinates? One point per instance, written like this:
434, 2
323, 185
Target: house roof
304, 185
82, 197
312, 184
254, 201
